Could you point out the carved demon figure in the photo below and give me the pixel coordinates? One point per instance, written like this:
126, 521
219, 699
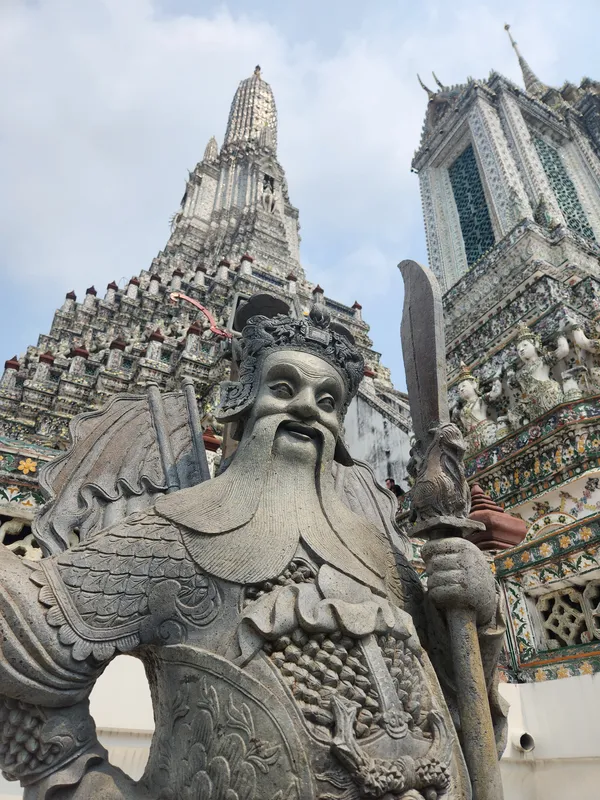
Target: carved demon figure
291, 651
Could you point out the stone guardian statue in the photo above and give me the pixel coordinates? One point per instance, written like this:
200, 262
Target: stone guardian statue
292, 653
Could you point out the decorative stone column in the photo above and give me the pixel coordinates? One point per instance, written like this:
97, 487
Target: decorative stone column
246, 264
192, 339
200, 276
318, 296
42, 371
115, 355
292, 283
507, 197
111, 291
79, 356
535, 180
176, 280
357, 308
89, 302
9, 378
68, 307
155, 341
223, 271
132, 288
368, 383
154, 285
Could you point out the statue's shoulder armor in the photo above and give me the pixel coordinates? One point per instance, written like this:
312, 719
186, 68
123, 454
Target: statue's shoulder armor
131, 584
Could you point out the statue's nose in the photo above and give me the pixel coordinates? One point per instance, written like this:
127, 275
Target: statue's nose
304, 406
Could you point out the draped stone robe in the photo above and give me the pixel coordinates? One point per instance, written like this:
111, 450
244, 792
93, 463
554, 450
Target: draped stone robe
307, 685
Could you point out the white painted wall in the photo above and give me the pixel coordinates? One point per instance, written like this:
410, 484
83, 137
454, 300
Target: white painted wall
563, 716
371, 437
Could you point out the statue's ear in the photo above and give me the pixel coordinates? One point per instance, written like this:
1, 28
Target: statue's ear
341, 454
236, 397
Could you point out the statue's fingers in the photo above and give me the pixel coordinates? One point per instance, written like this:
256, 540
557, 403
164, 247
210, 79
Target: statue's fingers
449, 596
441, 546
446, 579
446, 561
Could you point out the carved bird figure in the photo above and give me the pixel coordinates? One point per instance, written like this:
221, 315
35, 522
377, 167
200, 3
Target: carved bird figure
440, 487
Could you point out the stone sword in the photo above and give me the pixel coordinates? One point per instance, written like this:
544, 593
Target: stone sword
440, 505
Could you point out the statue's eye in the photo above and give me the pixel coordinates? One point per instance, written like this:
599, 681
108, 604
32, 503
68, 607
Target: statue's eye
283, 390
327, 403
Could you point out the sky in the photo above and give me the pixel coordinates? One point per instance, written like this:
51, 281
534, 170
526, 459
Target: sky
107, 103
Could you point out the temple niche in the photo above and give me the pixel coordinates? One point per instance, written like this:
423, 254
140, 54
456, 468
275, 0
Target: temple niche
473, 410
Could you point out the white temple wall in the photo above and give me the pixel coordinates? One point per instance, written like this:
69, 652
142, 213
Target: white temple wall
563, 716
373, 438
205, 201
290, 222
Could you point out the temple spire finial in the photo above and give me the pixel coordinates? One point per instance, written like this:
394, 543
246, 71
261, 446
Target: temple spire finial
532, 83
430, 94
211, 152
252, 110
438, 81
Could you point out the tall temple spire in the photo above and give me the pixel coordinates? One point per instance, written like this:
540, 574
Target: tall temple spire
253, 109
532, 83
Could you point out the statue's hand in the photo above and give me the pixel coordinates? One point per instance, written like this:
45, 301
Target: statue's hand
458, 576
579, 337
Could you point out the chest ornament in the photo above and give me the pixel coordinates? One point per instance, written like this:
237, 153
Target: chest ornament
352, 662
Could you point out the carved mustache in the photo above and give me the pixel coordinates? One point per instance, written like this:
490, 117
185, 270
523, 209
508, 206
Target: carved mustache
301, 430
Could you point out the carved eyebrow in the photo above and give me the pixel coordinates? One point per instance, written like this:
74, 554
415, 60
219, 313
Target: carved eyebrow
329, 384
296, 372
282, 370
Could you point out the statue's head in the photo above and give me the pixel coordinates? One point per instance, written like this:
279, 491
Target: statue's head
468, 384
301, 373
528, 344
468, 390
296, 379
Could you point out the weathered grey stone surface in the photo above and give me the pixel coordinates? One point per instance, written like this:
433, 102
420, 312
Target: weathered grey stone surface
290, 648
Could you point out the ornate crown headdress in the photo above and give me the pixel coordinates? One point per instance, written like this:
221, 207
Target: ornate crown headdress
465, 374
524, 333
263, 335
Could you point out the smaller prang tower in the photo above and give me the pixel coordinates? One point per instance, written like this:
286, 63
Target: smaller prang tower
493, 156
510, 186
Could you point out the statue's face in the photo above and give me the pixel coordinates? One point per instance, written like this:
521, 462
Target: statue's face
467, 390
527, 350
309, 394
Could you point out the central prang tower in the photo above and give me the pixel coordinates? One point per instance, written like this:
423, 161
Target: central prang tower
234, 236
236, 199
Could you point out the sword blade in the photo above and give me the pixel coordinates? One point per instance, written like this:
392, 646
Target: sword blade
424, 349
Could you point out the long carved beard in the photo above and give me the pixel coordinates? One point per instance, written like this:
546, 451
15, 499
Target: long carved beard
245, 525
